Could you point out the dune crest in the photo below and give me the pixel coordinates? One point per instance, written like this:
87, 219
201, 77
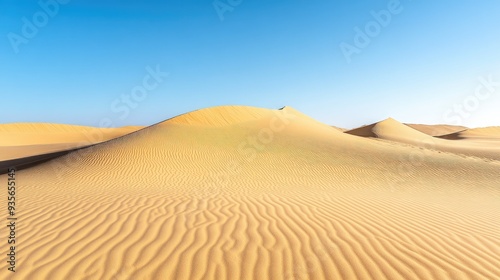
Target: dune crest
220, 116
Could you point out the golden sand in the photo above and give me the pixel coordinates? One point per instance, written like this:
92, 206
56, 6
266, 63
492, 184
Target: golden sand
247, 193
20, 140
395, 131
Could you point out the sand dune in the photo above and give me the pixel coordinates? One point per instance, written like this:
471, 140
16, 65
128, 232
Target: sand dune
248, 193
493, 131
491, 134
393, 130
21, 140
437, 130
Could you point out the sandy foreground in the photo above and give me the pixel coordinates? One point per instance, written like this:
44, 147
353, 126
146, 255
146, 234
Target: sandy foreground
247, 193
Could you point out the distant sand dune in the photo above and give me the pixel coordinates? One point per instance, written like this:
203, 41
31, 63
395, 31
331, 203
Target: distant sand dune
485, 134
393, 130
437, 130
247, 193
21, 140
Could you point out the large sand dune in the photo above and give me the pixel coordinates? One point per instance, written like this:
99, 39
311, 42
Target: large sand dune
248, 193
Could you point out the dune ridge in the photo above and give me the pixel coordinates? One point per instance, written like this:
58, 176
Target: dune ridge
248, 193
219, 116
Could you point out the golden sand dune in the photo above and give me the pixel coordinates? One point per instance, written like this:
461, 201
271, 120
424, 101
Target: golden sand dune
21, 140
493, 131
393, 130
220, 116
245, 193
437, 130
484, 134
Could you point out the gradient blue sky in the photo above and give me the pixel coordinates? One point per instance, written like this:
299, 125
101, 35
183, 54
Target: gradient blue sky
264, 53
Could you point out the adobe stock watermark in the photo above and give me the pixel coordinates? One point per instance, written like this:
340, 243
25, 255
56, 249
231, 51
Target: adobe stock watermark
363, 37
461, 111
31, 26
221, 7
122, 107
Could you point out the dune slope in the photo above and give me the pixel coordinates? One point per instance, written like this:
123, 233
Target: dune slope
247, 193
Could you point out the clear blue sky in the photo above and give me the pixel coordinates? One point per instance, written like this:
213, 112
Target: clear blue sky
83, 56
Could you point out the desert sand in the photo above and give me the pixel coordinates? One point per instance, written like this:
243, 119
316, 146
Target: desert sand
248, 193
437, 130
392, 130
484, 134
19, 140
